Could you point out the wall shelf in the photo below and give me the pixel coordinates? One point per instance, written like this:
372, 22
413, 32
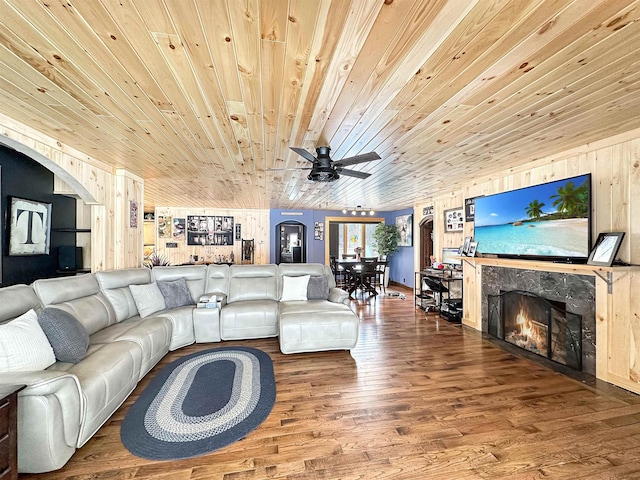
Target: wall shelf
72, 230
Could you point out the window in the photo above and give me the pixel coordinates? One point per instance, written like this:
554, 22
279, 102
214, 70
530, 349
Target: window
352, 235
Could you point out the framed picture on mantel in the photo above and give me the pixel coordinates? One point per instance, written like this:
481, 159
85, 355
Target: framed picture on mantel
606, 248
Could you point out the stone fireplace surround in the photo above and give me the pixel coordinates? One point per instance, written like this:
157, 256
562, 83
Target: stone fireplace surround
576, 291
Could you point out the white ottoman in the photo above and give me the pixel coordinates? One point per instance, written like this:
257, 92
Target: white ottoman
317, 325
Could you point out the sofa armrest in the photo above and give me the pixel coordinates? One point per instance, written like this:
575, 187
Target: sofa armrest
49, 416
338, 295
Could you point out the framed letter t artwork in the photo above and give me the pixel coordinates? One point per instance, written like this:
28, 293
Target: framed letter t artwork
29, 227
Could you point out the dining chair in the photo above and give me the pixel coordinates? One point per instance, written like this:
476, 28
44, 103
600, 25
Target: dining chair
338, 272
381, 267
363, 277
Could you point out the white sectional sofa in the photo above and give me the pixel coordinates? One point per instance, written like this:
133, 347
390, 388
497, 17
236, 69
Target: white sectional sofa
66, 403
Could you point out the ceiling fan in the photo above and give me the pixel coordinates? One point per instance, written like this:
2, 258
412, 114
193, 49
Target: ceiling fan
325, 169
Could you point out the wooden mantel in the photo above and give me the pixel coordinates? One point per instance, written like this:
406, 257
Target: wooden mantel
617, 312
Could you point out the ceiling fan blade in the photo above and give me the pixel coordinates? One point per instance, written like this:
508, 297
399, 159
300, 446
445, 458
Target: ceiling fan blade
365, 157
292, 168
353, 173
304, 153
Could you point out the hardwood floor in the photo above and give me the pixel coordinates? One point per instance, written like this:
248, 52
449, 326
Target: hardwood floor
419, 398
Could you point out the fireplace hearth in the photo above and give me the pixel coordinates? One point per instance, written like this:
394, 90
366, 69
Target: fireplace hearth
538, 325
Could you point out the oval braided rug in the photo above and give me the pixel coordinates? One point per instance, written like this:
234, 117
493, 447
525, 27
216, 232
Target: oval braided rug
200, 403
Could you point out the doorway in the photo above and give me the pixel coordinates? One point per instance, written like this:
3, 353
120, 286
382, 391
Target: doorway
291, 246
426, 242
345, 233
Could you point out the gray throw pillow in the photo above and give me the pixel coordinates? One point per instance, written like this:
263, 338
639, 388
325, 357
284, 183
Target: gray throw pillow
175, 293
65, 333
318, 288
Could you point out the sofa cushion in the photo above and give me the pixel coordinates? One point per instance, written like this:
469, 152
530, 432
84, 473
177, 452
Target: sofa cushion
79, 295
24, 346
318, 288
115, 286
175, 293
195, 276
65, 333
253, 282
148, 298
107, 376
294, 288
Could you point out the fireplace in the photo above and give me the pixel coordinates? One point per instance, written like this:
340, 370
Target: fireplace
538, 325
567, 291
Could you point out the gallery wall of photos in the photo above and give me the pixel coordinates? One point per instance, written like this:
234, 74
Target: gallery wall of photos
209, 230
180, 234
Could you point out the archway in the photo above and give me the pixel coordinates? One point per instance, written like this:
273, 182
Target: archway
291, 242
82, 193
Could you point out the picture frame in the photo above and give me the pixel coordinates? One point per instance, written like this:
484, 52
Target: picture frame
454, 220
473, 247
605, 249
209, 230
165, 225
404, 224
470, 209
318, 231
179, 227
466, 245
133, 214
29, 227
238, 234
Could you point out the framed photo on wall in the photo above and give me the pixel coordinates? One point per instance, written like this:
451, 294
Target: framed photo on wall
404, 224
209, 230
29, 227
470, 209
133, 214
454, 220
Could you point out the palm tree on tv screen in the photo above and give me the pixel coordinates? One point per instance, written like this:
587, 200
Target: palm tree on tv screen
571, 201
534, 210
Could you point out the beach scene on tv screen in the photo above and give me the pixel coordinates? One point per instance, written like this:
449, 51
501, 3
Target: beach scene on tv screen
551, 219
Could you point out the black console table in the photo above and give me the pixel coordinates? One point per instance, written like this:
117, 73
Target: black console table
440, 290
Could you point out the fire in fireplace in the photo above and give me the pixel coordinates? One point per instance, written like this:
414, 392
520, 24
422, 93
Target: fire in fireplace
523, 330
537, 325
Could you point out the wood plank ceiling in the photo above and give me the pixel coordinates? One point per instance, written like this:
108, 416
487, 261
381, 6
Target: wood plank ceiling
202, 97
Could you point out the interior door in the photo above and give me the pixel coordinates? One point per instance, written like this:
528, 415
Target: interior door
426, 243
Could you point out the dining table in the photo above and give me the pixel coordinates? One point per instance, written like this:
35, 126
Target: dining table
359, 273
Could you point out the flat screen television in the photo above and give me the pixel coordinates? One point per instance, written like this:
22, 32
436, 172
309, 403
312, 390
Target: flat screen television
449, 256
550, 221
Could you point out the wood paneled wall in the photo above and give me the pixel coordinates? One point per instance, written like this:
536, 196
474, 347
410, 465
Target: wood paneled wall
128, 234
254, 225
614, 164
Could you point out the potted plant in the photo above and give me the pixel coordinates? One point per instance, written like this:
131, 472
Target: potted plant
386, 243
156, 260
